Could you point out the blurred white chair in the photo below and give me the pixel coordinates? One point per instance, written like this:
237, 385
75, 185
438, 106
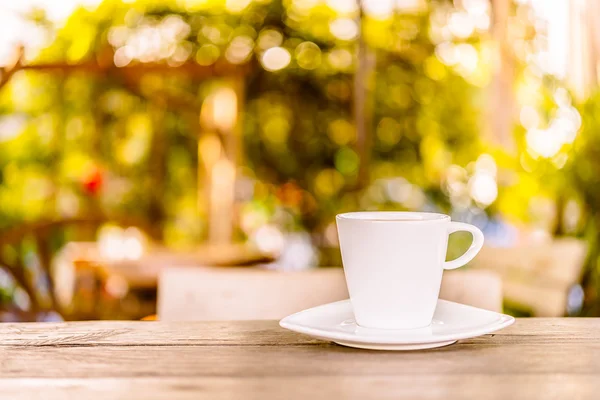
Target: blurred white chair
213, 294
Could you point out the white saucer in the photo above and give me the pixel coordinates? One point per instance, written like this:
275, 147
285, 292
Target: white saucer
451, 322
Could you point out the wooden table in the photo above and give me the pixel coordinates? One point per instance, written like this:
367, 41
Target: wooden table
535, 358
143, 272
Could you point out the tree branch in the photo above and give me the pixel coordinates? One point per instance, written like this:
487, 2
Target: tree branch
7, 72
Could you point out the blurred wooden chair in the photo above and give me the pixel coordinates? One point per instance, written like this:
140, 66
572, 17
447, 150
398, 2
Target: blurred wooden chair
27, 252
187, 294
536, 277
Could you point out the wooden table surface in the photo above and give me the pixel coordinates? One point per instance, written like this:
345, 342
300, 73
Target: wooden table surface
534, 358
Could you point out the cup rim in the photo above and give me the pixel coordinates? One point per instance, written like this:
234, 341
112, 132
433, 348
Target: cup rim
393, 216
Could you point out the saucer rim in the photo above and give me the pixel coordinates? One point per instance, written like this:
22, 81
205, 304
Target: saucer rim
396, 346
502, 322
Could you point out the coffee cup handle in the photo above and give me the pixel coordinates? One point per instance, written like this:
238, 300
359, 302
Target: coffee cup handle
472, 251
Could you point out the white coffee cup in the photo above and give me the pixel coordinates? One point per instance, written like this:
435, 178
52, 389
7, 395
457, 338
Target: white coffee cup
393, 262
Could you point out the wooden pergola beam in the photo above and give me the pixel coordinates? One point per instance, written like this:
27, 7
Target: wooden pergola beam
7, 72
105, 66
191, 68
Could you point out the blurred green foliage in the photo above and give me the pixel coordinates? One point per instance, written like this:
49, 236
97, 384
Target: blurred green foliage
81, 141
113, 127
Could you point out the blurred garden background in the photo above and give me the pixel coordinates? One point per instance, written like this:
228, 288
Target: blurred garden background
233, 131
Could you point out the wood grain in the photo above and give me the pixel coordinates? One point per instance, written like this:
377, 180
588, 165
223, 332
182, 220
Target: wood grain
547, 387
535, 358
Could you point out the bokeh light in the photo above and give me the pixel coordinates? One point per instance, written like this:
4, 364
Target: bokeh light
275, 59
239, 49
461, 24
308, 55
268, 239
340, 59
529, 118
379, 9
237, 6
219, 110
269, 38
483, 188
344, 7
344, 28
208, 54
117, 244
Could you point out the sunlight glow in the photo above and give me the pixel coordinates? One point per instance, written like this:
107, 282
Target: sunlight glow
224, 109
16, 30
